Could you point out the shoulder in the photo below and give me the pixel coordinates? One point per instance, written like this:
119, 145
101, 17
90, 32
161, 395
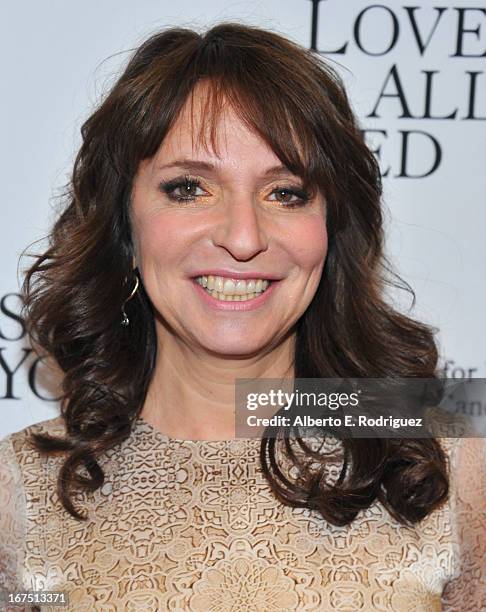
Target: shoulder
466, 465
450, 447
467, 590
52, 427
466, 459
467, 471
17, 448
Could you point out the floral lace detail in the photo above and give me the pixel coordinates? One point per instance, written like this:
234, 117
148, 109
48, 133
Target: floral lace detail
244, 583
194, 525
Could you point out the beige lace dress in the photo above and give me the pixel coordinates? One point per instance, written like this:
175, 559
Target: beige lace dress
193, 525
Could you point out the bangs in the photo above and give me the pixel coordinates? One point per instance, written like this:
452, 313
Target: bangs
272, 97
284, 94
277, 129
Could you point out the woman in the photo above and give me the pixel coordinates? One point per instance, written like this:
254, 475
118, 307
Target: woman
224, 222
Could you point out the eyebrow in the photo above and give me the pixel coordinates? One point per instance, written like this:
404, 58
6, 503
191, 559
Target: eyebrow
193, 164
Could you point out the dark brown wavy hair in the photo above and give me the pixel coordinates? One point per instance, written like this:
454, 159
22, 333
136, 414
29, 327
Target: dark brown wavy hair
74, 291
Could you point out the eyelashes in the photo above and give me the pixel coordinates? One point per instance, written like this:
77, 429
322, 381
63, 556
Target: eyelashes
188, 183
189, 187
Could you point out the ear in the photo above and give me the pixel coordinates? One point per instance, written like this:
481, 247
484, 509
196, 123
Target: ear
134, 262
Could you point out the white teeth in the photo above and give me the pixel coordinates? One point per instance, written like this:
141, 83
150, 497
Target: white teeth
240, 287
232, 290
229, 287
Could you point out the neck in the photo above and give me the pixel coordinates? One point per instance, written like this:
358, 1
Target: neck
191, 395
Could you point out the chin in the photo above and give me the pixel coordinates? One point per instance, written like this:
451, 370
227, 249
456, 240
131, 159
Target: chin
239, 349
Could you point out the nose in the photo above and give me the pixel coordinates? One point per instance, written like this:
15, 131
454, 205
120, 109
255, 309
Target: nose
240, 230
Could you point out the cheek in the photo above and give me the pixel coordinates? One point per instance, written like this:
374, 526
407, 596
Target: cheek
161, 241
306, 242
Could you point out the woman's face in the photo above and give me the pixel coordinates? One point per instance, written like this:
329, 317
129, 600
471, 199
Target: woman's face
236, 225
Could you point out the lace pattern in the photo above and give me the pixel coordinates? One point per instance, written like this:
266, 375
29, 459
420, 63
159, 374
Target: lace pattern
13, 511
193, 525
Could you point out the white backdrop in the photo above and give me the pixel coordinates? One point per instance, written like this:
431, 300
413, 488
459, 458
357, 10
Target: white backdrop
417, 79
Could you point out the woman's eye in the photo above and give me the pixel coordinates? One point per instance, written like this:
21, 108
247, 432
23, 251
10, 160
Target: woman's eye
291, 197
182, 190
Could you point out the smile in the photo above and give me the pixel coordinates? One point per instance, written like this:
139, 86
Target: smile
233, 290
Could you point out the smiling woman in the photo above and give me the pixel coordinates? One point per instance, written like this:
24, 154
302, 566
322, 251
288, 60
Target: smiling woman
223, 222
230, 256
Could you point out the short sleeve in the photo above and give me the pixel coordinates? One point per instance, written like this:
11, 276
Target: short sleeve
467, 589
12, 521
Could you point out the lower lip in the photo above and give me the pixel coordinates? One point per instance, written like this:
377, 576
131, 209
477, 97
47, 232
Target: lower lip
251, 304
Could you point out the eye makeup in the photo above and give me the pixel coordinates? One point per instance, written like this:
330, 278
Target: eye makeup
189, 186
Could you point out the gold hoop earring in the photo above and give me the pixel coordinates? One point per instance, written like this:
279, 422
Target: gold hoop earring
125, 320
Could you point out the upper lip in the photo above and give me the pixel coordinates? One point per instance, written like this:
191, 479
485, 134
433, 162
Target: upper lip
234, 274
